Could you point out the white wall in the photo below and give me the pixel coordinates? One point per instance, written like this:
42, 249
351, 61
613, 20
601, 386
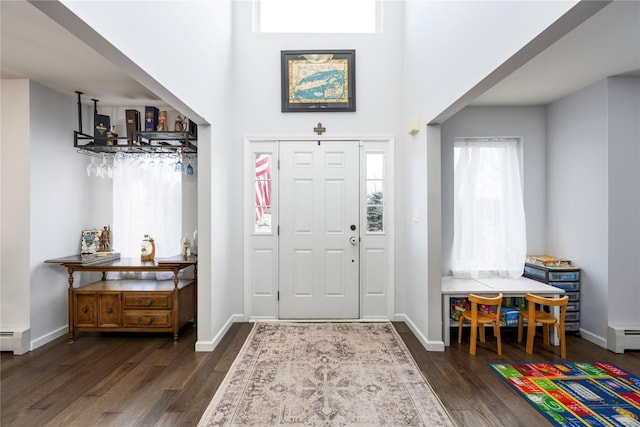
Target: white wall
593, 205
15, 204
257, 85
44, 207
59, 191
257, 96
623, 104
577, 190
528, 123
449, 47
167, 44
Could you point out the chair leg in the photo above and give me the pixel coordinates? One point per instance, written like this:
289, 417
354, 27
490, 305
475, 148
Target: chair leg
482, 333
497, 333
546, 333
474, 334
531, 333
460, 320
520, 328
563, 341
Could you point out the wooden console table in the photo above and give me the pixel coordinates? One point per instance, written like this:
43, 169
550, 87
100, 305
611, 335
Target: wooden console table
127, 305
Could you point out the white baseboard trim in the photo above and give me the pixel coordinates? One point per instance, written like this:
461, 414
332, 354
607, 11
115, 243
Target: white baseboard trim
375, 319
47, 338
428, 345
591, 337
209, 346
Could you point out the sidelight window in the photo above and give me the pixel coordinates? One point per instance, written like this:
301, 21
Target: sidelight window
263, 187
375, 192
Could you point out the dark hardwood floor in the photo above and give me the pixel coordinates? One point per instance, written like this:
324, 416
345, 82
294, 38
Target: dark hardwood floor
147, 380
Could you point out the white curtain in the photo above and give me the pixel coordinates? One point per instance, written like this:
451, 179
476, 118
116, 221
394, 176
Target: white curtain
489, 236
147, 199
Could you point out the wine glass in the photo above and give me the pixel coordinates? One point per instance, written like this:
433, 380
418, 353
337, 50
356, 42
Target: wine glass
92, 168
189, 167
178, 166
102, 169
109, 172
140, 162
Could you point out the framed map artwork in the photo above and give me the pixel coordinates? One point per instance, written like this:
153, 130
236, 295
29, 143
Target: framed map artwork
318, 80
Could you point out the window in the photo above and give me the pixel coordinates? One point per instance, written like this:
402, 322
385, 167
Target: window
316, 16
375, 192
489, 236
147, 199
263, 184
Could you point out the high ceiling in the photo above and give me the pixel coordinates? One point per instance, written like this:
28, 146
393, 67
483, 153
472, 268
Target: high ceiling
607, 44
35, 47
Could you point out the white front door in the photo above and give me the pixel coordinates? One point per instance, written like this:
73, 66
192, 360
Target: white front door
319, 230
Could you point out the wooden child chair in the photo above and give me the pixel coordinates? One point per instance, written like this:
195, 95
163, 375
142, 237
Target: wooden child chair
548, 321
479, 319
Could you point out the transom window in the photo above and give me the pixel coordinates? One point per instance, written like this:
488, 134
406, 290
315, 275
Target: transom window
316, 16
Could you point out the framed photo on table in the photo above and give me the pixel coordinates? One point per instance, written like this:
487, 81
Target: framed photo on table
90, 243
318, 80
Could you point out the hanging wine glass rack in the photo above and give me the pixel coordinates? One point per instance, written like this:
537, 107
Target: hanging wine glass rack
153, 142
143, 143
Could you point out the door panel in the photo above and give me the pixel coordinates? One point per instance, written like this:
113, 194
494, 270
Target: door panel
318, 205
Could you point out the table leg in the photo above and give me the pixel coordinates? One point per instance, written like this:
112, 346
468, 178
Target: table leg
71, 306
555, 340
446, 319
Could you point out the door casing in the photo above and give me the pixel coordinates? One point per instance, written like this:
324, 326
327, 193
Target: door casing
376, 251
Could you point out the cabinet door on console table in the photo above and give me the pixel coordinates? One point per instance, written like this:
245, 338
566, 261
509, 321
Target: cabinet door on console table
85, 310
97, 309
109, 311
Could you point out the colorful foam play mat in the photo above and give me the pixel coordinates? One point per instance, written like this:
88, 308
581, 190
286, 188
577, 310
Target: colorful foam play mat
577, 393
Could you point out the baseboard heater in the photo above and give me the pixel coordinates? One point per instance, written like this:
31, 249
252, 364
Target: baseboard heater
16, 341
621, 338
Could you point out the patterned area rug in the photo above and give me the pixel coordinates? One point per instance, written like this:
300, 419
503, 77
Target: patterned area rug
325, 374
577, 393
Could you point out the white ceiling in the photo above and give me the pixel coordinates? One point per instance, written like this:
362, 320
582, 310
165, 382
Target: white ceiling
607, 44
35, 47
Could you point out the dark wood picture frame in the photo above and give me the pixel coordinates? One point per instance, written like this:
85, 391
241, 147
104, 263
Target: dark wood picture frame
318, 80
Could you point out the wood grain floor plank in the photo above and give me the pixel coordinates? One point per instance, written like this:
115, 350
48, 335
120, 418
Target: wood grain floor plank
146, 379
